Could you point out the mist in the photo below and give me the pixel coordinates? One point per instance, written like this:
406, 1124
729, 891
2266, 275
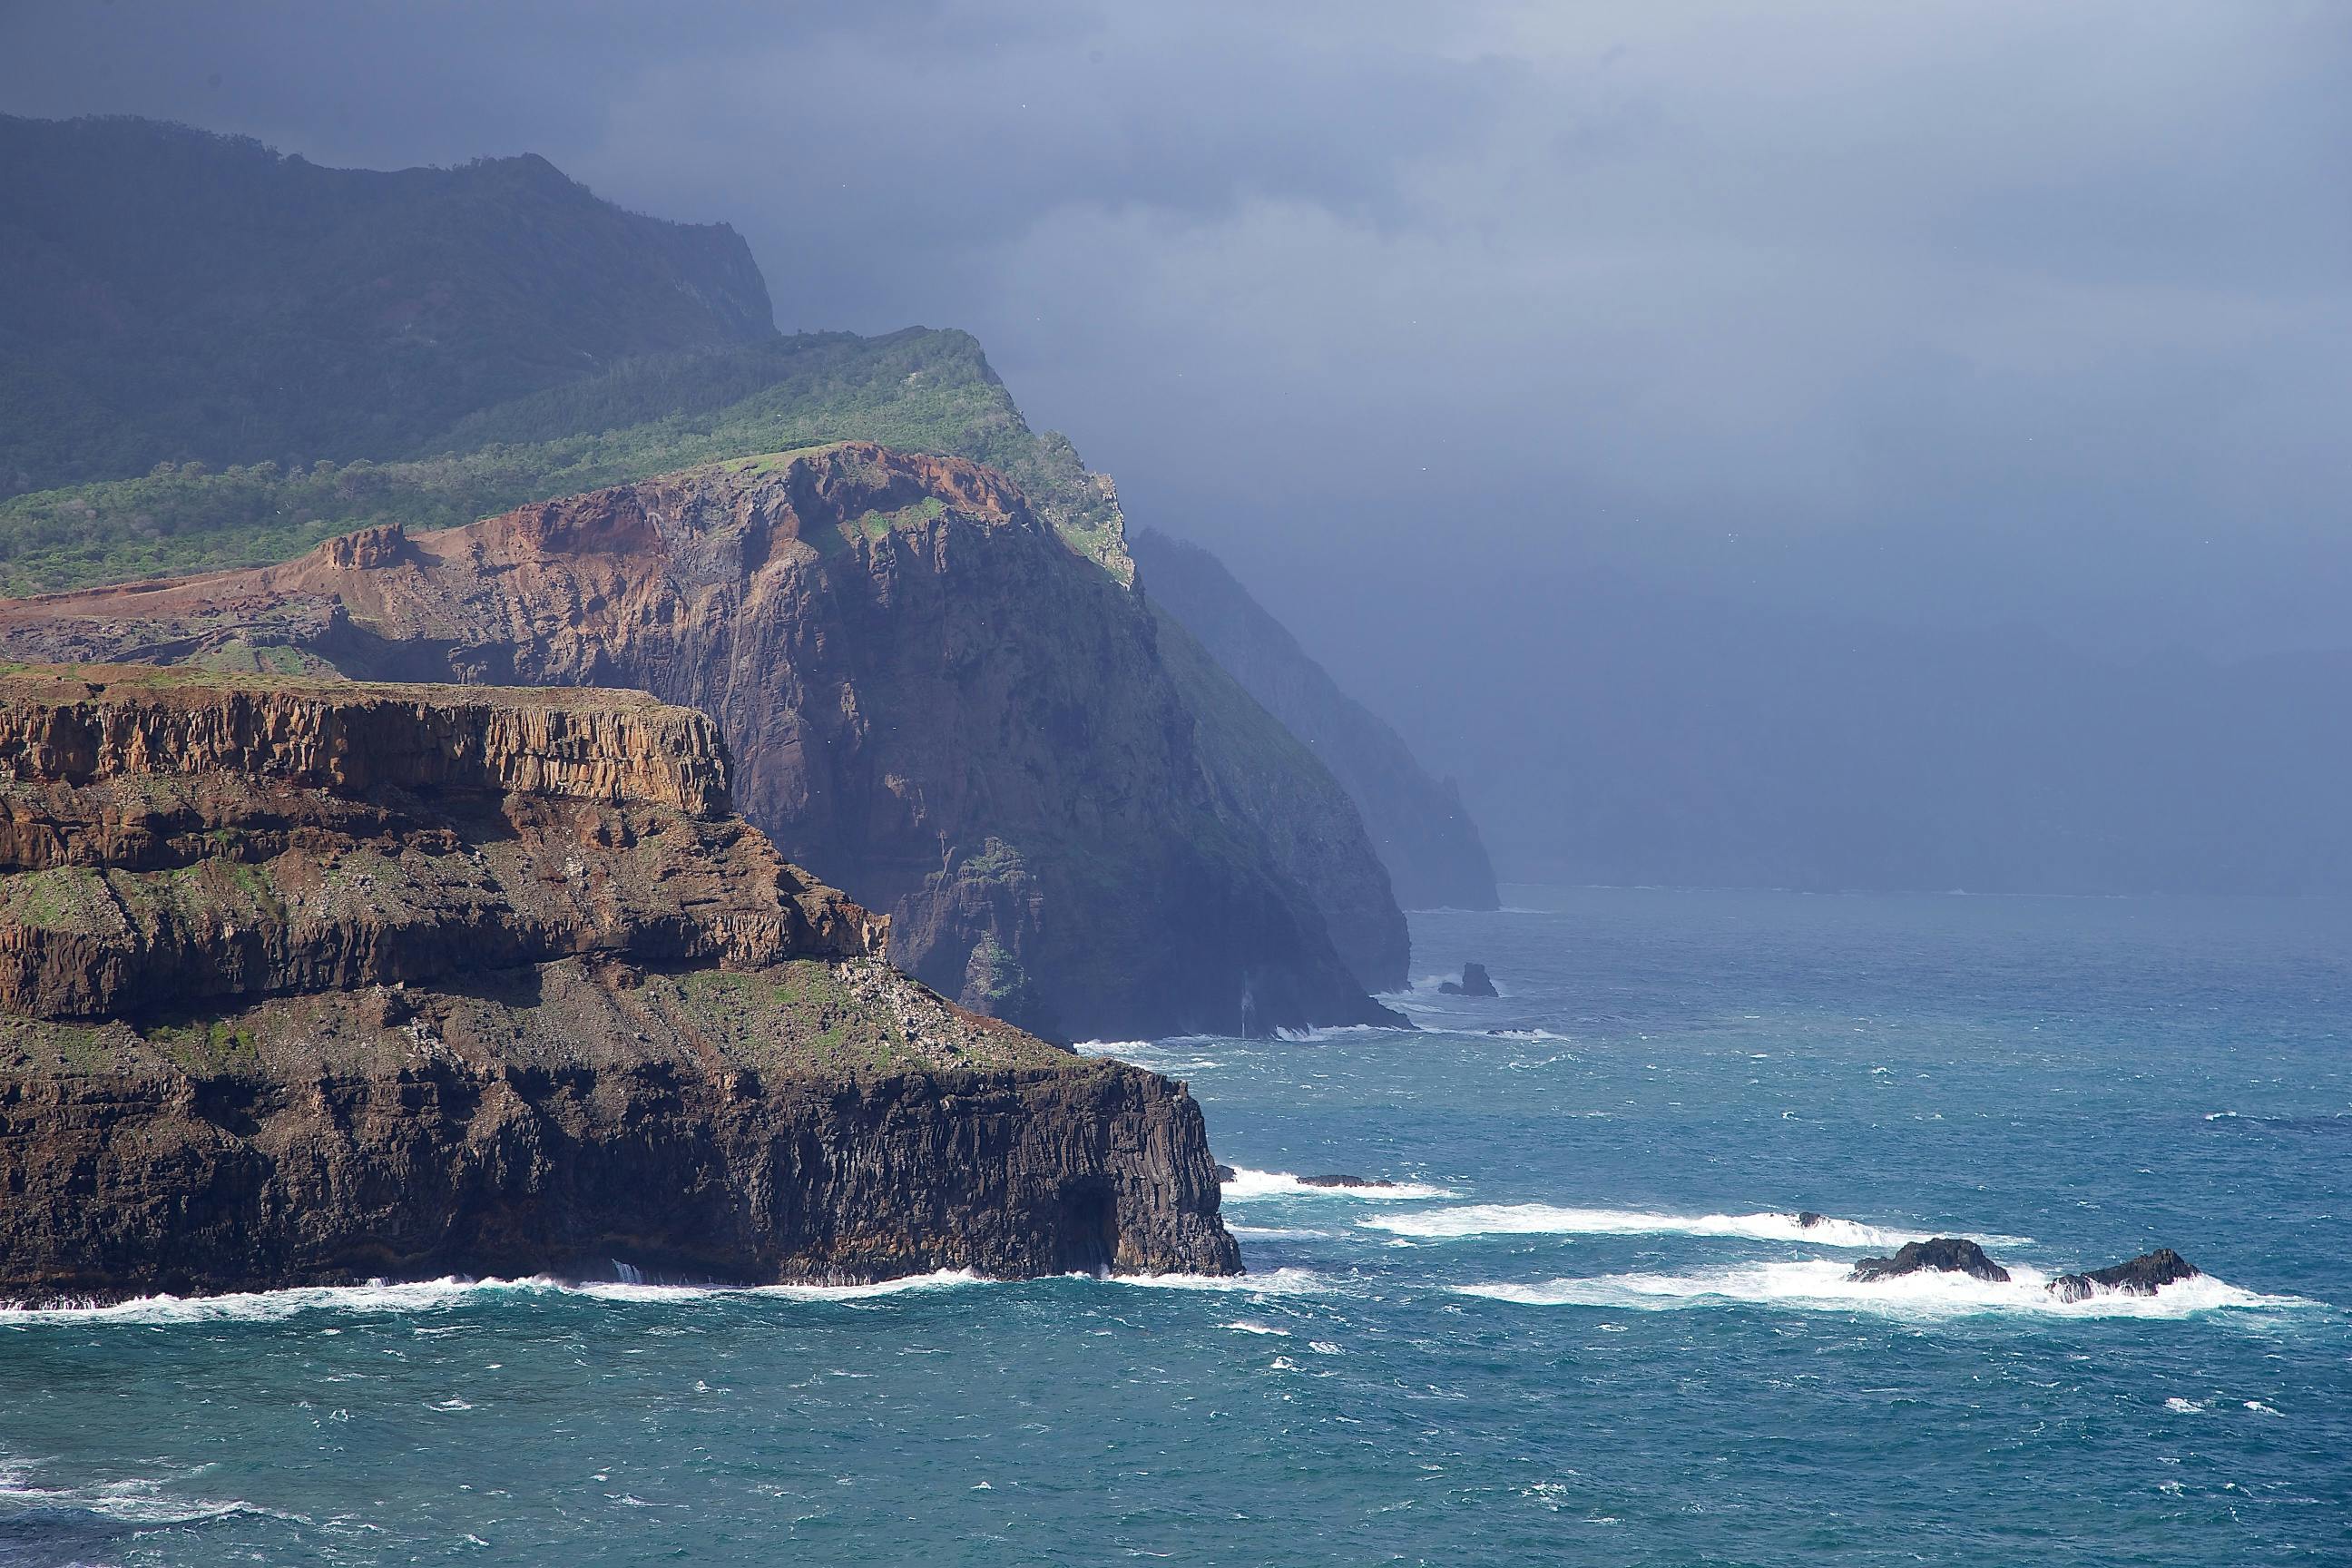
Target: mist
1510, 352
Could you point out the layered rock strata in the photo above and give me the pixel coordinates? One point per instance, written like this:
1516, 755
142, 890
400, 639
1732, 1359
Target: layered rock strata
309, 982
927, 692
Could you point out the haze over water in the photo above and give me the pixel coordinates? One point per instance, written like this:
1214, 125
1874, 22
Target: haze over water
1586, 1330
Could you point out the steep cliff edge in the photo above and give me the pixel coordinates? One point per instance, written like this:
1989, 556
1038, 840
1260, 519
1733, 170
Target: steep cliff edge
308, 982
928, 693
1419, 826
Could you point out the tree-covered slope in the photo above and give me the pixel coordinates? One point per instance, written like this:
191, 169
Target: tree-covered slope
169, 295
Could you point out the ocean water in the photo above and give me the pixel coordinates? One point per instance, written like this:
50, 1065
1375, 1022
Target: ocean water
1585, 1328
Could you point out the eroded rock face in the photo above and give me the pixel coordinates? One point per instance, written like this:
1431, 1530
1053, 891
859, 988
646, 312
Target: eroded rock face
927, 694
1940, 1254
175, 842
306, 983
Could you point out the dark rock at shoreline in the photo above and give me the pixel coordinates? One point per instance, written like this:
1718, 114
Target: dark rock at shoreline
1808, 1219
1940, 1254
1345, 1181
2143, 1276
1226, 1173
1474, 983
310, 982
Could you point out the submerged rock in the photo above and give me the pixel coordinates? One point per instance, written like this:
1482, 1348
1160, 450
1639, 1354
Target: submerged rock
2143, 1276
1474, 983
1345, 1181
1939, 1255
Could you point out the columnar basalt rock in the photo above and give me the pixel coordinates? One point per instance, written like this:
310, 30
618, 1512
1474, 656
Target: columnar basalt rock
307, 982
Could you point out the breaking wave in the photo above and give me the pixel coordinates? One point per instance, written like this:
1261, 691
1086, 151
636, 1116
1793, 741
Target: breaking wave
1279, 1282
142, 1504
1546, 1219
1821, 1285
1248, 1183
441, 1295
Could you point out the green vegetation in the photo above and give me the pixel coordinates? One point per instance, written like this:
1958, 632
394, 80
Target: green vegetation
918, 390
802, 1019
167, 294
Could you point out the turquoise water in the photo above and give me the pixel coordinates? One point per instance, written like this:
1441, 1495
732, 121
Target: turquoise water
1587, 1333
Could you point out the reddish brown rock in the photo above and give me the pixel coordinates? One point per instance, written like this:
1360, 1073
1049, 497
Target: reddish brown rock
928, 696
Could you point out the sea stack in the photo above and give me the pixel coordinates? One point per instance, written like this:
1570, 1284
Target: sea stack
1474, 983
310, 982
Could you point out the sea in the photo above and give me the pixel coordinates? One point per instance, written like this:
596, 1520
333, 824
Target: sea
1583, 1326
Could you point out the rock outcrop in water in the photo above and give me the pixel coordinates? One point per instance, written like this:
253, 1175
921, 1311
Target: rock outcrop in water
2143, 1276
1940, 1254
927, 693
1475, 982
310, 982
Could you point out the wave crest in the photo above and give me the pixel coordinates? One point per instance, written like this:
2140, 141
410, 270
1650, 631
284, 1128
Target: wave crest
1547, 1219
1821, 1285
1248, 1183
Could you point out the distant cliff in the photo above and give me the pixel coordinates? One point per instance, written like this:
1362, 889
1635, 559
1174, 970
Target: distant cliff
1418, 824
309, 983
928, 693
609, 354
174, 295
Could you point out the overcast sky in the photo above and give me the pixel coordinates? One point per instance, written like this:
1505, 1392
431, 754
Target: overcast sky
1968, 312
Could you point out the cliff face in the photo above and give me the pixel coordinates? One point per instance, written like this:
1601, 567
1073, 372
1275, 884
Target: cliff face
927, 693
1264, 775
1423, 832
307, 983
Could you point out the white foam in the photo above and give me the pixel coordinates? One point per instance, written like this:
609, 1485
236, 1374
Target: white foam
1244, 1326
1275, 1233
439, 1295
135, 1503
1821, 1285
1547, 1219
2180, 1406
1281, 1283
1152, 1056
1248, 1183
1333, 1032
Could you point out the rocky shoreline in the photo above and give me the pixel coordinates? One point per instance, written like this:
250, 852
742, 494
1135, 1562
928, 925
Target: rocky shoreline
310, 982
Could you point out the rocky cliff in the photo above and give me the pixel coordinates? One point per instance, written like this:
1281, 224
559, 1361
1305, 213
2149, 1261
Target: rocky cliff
305, 982
1419, 826
929, 693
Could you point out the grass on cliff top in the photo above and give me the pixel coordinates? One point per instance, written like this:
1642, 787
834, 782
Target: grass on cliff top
918, 390
798, 1021
23, 681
